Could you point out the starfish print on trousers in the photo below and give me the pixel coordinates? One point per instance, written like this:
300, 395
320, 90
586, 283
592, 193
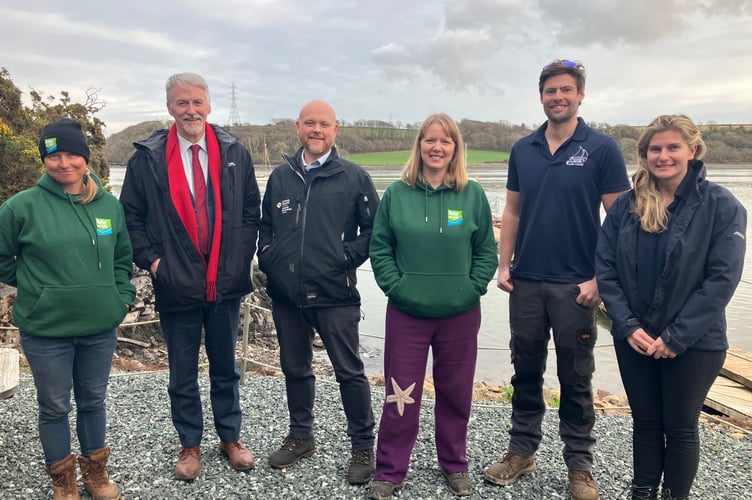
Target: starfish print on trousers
400, 396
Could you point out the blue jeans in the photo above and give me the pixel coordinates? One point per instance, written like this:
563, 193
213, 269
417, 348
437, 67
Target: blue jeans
182, 332
59, 365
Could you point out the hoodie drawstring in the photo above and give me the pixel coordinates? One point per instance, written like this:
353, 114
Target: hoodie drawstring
441, 208
94, 237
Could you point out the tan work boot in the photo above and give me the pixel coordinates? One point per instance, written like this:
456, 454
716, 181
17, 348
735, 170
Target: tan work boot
96, 479
509, 468
582, 485
64, 479
188, 466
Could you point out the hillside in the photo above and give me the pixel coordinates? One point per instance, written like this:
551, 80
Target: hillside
267, 143
280, 138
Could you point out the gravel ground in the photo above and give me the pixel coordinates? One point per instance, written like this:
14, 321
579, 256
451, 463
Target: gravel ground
145, 447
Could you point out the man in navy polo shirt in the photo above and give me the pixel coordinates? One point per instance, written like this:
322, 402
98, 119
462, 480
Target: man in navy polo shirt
558, 178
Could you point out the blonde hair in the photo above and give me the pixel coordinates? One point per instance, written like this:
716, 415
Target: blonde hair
649, 204
456, 176
90, 190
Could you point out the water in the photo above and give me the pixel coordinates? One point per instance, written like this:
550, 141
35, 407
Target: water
494, 365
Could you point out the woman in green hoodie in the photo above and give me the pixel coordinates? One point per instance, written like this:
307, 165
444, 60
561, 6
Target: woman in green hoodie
433, 254
65, 246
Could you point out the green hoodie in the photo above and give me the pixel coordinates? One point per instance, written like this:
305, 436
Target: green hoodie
71, 262
433, 251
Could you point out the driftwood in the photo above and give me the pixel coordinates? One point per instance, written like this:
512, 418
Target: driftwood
8, 372
134, 342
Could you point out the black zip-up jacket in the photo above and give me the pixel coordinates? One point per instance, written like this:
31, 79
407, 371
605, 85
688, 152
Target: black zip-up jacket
703, 265
156, 230
315, 231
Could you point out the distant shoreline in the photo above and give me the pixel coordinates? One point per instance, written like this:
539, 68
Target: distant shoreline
504, 165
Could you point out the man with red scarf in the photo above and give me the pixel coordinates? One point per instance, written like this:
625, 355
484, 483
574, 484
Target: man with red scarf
192, 208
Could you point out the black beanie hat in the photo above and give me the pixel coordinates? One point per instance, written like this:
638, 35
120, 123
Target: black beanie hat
63, 135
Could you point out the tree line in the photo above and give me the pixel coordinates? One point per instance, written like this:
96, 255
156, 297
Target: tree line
267, 143
21, 125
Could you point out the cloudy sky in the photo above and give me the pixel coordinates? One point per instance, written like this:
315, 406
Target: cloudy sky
392, 60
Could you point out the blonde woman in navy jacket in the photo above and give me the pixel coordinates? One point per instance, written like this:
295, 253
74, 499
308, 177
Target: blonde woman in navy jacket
669, 257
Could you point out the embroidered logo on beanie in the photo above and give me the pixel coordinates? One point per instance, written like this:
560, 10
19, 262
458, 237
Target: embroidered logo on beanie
50, 144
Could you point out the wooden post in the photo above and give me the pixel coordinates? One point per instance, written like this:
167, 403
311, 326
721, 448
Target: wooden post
244, 350
8, 372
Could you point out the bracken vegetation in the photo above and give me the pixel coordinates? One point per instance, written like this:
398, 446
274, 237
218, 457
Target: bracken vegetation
20, 126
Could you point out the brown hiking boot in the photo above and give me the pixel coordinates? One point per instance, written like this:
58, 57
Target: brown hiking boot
361, 467
64, 479
292, 450
382, 490
582, 485
96, 479
458, 483
511, 466
189, 464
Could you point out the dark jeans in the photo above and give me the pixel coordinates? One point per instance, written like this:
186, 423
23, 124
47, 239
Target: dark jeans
338, 329
182, 332
60, 364
666, 397
535, 310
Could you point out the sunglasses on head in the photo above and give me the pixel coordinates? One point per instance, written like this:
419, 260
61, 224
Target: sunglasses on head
564, 62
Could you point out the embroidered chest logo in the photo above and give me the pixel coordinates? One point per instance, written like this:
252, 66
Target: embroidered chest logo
579, 158
454, 217
104, 226
284, 206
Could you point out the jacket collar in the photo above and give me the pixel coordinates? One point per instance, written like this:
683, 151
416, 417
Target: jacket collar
332, 165
580, 133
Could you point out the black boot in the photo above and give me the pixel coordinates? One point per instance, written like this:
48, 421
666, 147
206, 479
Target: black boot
643, 492
667, 495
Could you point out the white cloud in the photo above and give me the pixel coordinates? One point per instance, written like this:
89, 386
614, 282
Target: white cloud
397, 60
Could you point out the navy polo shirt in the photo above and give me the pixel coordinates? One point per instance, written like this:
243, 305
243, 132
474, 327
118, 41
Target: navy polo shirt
560, 198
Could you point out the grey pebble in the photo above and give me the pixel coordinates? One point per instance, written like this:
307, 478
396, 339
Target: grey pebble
145, 447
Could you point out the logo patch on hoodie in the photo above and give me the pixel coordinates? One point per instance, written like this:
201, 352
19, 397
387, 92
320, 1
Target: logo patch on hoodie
454, 217
104, 226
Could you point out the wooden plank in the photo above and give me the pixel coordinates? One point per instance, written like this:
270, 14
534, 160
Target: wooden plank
8, 372
730, 398
738, 366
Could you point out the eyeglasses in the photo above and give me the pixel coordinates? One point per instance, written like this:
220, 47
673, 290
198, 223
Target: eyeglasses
564, 62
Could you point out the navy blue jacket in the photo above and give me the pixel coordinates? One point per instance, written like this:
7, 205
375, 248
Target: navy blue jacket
704, 261
156, 230
315, 231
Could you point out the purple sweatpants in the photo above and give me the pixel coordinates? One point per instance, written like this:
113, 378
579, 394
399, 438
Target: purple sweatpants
454, 345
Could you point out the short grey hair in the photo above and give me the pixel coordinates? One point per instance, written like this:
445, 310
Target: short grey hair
185, 80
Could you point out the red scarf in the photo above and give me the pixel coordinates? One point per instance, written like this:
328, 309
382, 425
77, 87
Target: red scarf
181, 198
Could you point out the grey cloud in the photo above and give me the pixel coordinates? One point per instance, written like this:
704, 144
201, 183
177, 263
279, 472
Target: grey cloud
468, 40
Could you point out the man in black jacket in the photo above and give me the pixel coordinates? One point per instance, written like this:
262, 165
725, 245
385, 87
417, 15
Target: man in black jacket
191, 205
317, 215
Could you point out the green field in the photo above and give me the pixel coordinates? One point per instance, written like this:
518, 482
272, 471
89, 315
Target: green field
400, 157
